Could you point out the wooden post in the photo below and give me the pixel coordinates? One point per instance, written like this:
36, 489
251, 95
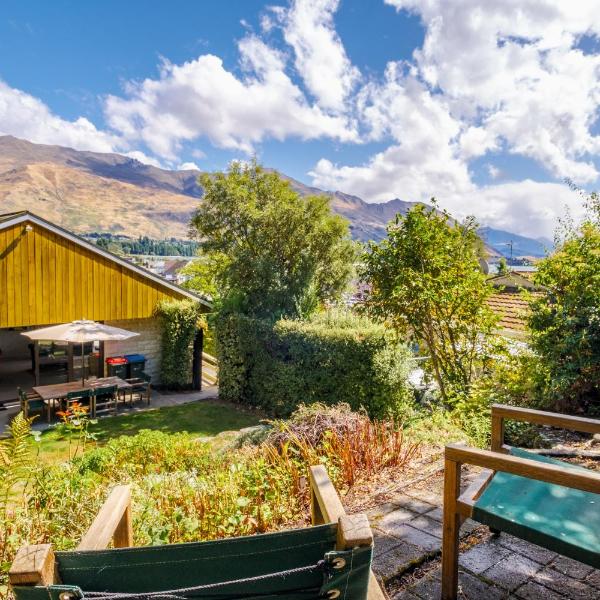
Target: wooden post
451, 530
113, 522
197, 359
70, 370
353, 530
36, 362
326, 504
123, 537
33, 565
497, 432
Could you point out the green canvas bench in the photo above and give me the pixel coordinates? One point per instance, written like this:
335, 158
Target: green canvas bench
330, 560
548, 502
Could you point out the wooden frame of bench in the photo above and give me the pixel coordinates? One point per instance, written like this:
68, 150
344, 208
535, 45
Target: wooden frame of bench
35, 564
458, 507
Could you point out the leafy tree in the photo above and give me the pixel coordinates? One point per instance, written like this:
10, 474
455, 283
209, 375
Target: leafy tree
203, 274
564, 322
275, 253
503, 267
425, 279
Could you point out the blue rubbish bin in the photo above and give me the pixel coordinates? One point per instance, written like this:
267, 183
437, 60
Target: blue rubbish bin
136, 365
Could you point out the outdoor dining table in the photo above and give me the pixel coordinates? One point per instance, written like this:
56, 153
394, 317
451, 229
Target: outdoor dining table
59, 391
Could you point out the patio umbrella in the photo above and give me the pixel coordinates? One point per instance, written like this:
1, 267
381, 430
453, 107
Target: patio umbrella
80, 332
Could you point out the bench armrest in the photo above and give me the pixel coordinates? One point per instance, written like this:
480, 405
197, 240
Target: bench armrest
326, 507
532, 469
500, 412
113, 522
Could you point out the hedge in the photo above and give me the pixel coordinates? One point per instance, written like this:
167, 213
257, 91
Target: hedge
179, 321
330, 359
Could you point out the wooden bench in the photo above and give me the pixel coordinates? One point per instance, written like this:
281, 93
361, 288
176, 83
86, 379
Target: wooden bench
541, 500
339, 545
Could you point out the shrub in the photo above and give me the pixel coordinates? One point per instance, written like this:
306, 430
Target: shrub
330, 359
355, 447
513, 379
184, 491
179, 321
424, 278
564, 321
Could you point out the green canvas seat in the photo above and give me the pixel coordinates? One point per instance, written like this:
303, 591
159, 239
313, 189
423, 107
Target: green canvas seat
562, 519
328, 560
181, 566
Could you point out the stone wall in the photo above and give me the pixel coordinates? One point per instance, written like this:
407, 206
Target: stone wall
147, 343
13, 344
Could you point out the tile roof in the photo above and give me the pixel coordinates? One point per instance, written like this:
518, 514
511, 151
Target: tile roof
512, 309
512, 281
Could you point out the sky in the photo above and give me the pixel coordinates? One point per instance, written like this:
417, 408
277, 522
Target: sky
486, 105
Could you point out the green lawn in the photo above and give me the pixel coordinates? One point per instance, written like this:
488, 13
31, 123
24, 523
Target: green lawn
206, 418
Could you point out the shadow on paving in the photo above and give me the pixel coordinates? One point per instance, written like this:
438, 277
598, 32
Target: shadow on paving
407, 558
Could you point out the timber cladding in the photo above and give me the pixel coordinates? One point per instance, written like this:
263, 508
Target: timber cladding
46, 278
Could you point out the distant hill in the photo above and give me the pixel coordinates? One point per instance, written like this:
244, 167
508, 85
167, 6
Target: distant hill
521, 246
91, 191
97, 192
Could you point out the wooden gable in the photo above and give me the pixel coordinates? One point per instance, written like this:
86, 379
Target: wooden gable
47, 277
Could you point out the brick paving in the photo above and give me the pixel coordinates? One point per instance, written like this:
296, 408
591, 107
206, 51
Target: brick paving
408, 538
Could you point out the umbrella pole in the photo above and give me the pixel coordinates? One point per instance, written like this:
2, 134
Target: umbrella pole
82, 366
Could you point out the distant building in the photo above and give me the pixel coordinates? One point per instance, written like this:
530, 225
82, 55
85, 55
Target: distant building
172, 270
509, 303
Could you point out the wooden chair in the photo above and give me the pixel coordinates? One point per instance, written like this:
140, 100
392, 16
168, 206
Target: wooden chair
548, 502
330, 560
140, 388
83, 397
104, 400
32, 402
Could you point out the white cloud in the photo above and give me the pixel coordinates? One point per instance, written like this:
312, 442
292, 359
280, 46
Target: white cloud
491, 76
320, 57
493, 172
526, 207
188, 166
25, 116
202, 98
514, 66
424, 157
144, 158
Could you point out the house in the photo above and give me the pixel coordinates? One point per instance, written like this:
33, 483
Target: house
172, 270
49, 275
509, 303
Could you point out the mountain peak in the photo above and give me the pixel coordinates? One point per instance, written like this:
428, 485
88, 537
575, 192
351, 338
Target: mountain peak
107, 192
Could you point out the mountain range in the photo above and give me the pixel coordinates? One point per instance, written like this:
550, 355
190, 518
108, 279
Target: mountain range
102, 192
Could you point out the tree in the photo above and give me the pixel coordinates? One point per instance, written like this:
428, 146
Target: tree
425, 279
503, 267
564, 321
275, 253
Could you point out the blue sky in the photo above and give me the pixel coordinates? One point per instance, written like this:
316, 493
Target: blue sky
486, 104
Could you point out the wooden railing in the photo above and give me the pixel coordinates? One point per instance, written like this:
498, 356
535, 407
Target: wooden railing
35, 564
353, 530
210, 369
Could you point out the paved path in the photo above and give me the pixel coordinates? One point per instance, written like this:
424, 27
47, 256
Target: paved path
408, 537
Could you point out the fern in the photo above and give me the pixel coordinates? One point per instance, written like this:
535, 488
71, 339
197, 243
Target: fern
15, 457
